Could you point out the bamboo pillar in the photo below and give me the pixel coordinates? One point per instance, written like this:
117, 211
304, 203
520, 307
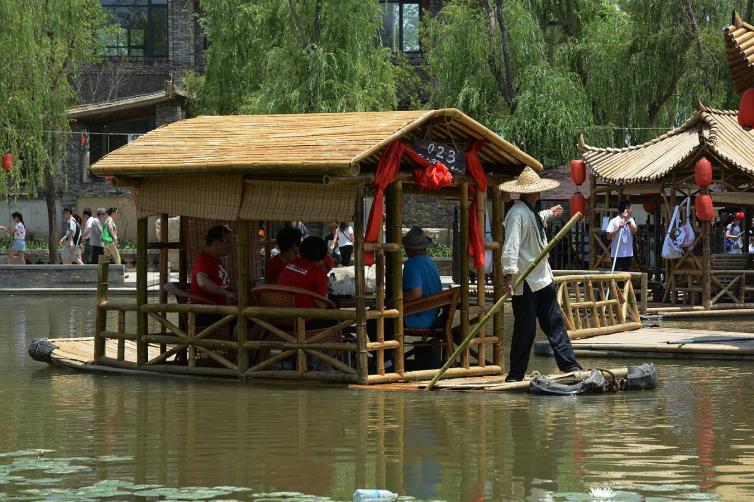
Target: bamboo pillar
464, 258
379, 296
594, 223
362, 370
164, 272
242, 281
395, 268
707, 260
141, 290
100, 317
480, 277
497, 268
182, 257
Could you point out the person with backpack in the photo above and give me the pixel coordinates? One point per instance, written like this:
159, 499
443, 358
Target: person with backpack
109, 237
70, 239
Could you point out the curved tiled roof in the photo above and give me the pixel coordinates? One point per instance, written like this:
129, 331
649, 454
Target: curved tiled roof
709, 129
739, 49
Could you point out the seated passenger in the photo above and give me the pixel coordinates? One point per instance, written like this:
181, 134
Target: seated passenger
420, 277
306, 272
288, 240
209, 278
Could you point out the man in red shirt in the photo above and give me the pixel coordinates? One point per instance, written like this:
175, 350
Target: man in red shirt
306, 272
288, 240
209, 278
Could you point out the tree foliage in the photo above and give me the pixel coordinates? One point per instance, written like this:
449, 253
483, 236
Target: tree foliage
541, 71
293, 56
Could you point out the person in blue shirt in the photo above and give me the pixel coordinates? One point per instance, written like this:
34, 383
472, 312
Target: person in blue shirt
420, 277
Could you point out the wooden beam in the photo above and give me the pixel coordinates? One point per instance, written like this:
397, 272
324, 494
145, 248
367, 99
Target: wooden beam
141, 289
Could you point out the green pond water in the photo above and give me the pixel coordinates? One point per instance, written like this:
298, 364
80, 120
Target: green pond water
74, 436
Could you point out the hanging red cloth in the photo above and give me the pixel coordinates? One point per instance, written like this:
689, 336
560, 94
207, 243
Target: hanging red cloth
475, 170
387, 168
433, 177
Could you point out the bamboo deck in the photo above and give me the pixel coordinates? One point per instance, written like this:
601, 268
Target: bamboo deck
664, 343
76, 353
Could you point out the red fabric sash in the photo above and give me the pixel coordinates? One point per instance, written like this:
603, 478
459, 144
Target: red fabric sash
475, 170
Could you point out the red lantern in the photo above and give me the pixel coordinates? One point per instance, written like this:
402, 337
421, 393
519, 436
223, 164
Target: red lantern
7, 161
704, 209
703, 173
746, 109
577, 204
650, 206
84, 139
578, 171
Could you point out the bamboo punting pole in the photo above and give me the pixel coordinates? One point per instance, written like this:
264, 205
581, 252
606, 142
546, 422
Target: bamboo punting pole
395, 268
141, 289
361, 289
100, 316
243, 292
124, 306
417, 376
497, 269
501, 302
163, 263
464, 259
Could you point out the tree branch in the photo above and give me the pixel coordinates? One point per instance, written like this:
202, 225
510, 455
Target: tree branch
749, 7
300, 27
503, 79
656, 105
317, 20
506, 55
693, 31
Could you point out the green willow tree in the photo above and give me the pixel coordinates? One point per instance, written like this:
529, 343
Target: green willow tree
293, 56
44, 41
541, 71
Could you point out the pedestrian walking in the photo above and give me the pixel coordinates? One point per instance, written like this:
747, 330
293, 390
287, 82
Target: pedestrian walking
620, 233
535, 299
345, 242
109, 236
733, 232
17, 254
87, 226
95, 236
70, 239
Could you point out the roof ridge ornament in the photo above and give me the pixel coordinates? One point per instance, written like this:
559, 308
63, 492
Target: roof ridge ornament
736, 19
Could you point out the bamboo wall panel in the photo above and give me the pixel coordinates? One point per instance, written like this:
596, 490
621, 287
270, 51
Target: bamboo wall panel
215, 197
275, 201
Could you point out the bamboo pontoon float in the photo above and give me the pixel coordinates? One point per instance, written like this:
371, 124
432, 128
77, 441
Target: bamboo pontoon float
662, 172
242, 170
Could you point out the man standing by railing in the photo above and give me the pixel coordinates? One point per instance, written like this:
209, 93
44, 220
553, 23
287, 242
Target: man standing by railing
525, 239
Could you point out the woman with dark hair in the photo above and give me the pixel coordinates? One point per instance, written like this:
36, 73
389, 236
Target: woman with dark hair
109, 237
344, 235
18, 249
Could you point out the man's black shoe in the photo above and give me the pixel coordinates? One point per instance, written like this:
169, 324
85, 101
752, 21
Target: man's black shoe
513, 379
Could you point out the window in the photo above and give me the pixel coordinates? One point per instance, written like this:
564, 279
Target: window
141, 28
400, 25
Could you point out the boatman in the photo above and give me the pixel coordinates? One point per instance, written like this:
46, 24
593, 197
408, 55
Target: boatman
535, 299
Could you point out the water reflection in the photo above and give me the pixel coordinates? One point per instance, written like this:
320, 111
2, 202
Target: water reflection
689, 438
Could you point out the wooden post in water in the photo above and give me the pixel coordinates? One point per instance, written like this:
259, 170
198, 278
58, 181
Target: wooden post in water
497, 268
100, 316
141, 290
395, 267
362, 370
242, 282
707, 260
463, 248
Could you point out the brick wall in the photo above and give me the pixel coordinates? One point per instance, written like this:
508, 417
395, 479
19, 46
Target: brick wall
428, 211
56, 276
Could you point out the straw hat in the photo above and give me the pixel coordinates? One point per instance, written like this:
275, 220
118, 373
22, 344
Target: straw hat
416, 239
528, 182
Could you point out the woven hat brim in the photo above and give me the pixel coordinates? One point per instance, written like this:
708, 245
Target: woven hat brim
540, 186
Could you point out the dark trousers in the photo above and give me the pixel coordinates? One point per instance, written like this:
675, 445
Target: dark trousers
527, 308
345, 255
623, 263
94, 253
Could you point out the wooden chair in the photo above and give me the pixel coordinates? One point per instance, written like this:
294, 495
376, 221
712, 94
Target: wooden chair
442, 330
275, 295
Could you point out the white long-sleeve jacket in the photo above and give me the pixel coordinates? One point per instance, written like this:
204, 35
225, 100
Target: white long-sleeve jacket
523, 243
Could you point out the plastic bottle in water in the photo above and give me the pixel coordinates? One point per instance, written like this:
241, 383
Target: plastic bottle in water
368, 494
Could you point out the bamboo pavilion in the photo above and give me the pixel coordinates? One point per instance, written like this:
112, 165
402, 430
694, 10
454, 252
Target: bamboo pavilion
242, 170
663, 172
739, 49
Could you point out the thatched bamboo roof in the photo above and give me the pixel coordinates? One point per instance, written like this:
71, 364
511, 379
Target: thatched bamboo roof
340, 144
108, 109
739, 48
711, 131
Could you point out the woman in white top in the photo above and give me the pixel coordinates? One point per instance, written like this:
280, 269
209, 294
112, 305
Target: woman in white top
18, 250
345, 242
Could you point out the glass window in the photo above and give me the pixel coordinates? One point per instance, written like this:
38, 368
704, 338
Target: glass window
142, 28
400, 25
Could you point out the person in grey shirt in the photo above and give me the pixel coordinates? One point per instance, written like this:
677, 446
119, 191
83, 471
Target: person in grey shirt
95, 232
